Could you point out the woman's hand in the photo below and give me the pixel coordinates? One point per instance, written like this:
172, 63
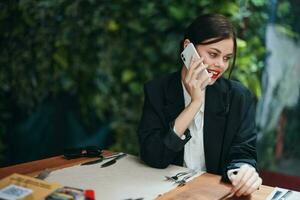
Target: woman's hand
246, 181
196, 79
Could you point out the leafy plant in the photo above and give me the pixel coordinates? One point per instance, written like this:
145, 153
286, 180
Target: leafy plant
103, 51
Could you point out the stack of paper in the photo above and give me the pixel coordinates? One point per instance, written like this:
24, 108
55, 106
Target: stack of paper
128, 178
283, 194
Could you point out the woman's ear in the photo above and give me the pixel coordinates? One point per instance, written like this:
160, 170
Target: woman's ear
186, 42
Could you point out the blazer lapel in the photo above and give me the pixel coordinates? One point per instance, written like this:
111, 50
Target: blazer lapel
216, 109
216, 100
174, 97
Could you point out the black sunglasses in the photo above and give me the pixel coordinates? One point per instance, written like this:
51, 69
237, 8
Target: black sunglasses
77, 152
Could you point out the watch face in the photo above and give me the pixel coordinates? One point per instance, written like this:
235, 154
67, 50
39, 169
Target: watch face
183, 137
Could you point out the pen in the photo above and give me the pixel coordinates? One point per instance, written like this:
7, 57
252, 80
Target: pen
93, 161
113, 161
101, 159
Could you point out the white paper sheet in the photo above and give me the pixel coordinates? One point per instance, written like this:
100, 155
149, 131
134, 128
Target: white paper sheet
294, 195
129, 178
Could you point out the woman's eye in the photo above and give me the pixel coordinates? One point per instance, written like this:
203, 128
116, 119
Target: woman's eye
212, 55
227, 58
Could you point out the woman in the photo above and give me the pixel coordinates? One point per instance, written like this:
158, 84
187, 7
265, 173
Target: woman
204, 122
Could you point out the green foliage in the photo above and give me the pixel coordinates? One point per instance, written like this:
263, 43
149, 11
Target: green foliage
292, 128
103, 52
287, 22
250, 63
288, 16
251, 24
266, 153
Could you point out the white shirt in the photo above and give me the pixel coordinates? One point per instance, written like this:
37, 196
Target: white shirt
194, 157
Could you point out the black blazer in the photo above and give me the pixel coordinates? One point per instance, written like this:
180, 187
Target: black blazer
229, 125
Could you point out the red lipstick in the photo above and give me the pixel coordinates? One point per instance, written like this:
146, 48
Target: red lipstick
215, 73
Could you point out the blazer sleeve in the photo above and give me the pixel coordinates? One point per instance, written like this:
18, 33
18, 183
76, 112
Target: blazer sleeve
159, 145
243, 148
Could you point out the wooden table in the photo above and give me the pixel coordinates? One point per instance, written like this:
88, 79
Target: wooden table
35, 167
207, 186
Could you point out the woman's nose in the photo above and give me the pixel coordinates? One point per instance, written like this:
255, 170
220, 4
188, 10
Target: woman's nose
221, 63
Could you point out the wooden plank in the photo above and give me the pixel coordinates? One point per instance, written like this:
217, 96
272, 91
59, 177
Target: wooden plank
35, 167
207, 187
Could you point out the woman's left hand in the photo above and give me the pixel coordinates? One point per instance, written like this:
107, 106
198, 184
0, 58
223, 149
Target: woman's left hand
246, 181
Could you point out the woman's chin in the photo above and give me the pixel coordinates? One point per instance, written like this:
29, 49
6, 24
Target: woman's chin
212, 81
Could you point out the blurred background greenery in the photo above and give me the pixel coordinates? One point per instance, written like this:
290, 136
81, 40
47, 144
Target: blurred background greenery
72, 72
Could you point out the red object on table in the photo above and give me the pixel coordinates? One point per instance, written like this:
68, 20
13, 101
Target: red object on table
89, 194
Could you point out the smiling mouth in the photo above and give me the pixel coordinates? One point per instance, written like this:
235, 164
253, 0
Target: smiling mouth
215, 73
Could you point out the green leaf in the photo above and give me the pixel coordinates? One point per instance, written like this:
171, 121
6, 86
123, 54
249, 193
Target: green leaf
241, 44
60, 58
285, 30
176, 12
112, 26
259, 2
135, 88
127, 75
228, 8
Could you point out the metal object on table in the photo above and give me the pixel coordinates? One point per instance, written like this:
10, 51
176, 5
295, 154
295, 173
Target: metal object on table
101, 159
114, 160
43, 174
183, 181
176, 176
286, 195
276, 195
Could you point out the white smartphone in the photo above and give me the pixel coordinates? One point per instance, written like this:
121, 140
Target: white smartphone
188, 53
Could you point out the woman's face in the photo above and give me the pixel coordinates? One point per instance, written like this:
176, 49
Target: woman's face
216, 56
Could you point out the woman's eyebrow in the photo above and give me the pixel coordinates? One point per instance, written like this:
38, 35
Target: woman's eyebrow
216, 49
230, 54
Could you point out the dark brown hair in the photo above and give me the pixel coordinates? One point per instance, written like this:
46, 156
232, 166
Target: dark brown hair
211, 26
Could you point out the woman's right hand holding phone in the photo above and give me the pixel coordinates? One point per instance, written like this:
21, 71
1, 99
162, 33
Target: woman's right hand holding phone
196, 79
